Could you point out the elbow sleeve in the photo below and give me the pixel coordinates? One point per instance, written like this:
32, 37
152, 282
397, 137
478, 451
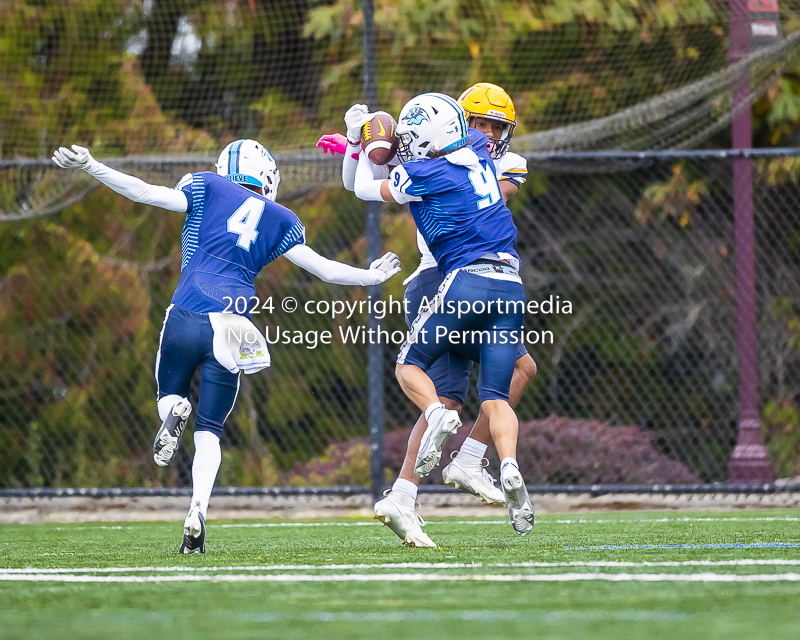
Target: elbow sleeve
370, 191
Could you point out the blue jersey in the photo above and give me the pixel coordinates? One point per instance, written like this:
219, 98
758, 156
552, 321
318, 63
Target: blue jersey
229, 235
457, 205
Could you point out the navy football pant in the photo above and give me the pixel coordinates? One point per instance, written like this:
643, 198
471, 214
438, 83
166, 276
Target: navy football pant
450, 372
491, 337
186, 345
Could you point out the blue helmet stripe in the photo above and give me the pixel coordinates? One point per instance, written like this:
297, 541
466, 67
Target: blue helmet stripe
233, 159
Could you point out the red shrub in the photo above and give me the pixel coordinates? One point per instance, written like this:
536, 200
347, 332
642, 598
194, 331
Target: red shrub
568, 451
554, 450
574, 451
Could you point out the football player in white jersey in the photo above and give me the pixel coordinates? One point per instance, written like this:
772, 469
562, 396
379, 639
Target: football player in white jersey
491, 111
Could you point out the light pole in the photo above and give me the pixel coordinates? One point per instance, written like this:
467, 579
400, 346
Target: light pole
749, 461
373, 233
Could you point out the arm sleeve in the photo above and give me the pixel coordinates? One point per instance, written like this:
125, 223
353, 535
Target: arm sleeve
138, 190
368, 179
403, 187
328, 270
349, 165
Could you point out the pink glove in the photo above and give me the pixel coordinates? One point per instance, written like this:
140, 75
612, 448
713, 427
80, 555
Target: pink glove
335, 143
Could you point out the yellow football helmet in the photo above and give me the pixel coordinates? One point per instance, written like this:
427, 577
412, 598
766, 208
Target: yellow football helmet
485, 100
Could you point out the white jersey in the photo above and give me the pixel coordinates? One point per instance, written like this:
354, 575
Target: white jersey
510, 166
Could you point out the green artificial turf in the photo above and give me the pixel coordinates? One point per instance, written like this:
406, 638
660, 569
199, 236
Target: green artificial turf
502, 605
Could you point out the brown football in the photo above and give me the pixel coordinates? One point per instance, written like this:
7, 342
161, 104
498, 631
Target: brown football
378, 139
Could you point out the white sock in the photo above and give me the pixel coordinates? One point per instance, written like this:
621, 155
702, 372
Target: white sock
406, 492
472, 452
207, 458
431, 408
506, 462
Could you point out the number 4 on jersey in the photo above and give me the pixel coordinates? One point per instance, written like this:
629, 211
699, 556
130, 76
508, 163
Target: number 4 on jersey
244, 220
485, 185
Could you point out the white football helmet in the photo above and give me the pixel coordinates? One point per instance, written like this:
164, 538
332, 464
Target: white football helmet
430, 125
249, 162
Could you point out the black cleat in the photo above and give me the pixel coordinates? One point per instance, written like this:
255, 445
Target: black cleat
194, 533
169, 435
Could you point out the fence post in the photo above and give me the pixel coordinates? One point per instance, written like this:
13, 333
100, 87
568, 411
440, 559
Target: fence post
749, 461
374, 348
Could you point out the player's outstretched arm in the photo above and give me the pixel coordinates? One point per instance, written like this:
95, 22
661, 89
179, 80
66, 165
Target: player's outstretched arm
339, 273
356, 117
370, 187
128, 186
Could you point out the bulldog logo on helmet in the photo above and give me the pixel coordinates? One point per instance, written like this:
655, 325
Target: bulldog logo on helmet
416, 115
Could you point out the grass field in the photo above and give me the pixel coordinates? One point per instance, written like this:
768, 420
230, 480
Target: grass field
629, 575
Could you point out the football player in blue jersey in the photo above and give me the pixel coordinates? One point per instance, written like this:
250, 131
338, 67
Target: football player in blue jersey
490, 110
233, 228
448, 178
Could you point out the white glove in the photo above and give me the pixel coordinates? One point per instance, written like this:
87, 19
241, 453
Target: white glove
356, 117
385, 267
79, 158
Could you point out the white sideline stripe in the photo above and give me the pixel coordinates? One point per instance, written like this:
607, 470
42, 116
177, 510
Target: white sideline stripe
675, 519
371, 523
418, 577
259, 525
412, 565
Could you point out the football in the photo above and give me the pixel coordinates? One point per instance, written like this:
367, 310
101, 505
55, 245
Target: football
378, 139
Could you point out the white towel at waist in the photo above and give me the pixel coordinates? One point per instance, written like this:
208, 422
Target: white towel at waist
238, 344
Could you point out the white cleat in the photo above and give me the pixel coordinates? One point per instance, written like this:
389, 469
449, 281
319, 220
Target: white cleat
443, 424
169, 435
520, 510
473, 479
194, 531
404, 521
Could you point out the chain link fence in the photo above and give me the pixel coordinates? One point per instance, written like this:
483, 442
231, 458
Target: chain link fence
629, 259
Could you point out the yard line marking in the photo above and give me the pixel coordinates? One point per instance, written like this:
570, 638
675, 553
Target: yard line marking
256, 525
743, 562
732, 545
416, 615
668, 519
394, 615
370, 523
471, 616
267, 567
259, 525
108, 528
415, 577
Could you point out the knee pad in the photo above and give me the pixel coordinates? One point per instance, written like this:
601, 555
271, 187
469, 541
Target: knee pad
166, 403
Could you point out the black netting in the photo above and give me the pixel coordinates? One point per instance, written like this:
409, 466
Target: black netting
632, 263
640, 383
